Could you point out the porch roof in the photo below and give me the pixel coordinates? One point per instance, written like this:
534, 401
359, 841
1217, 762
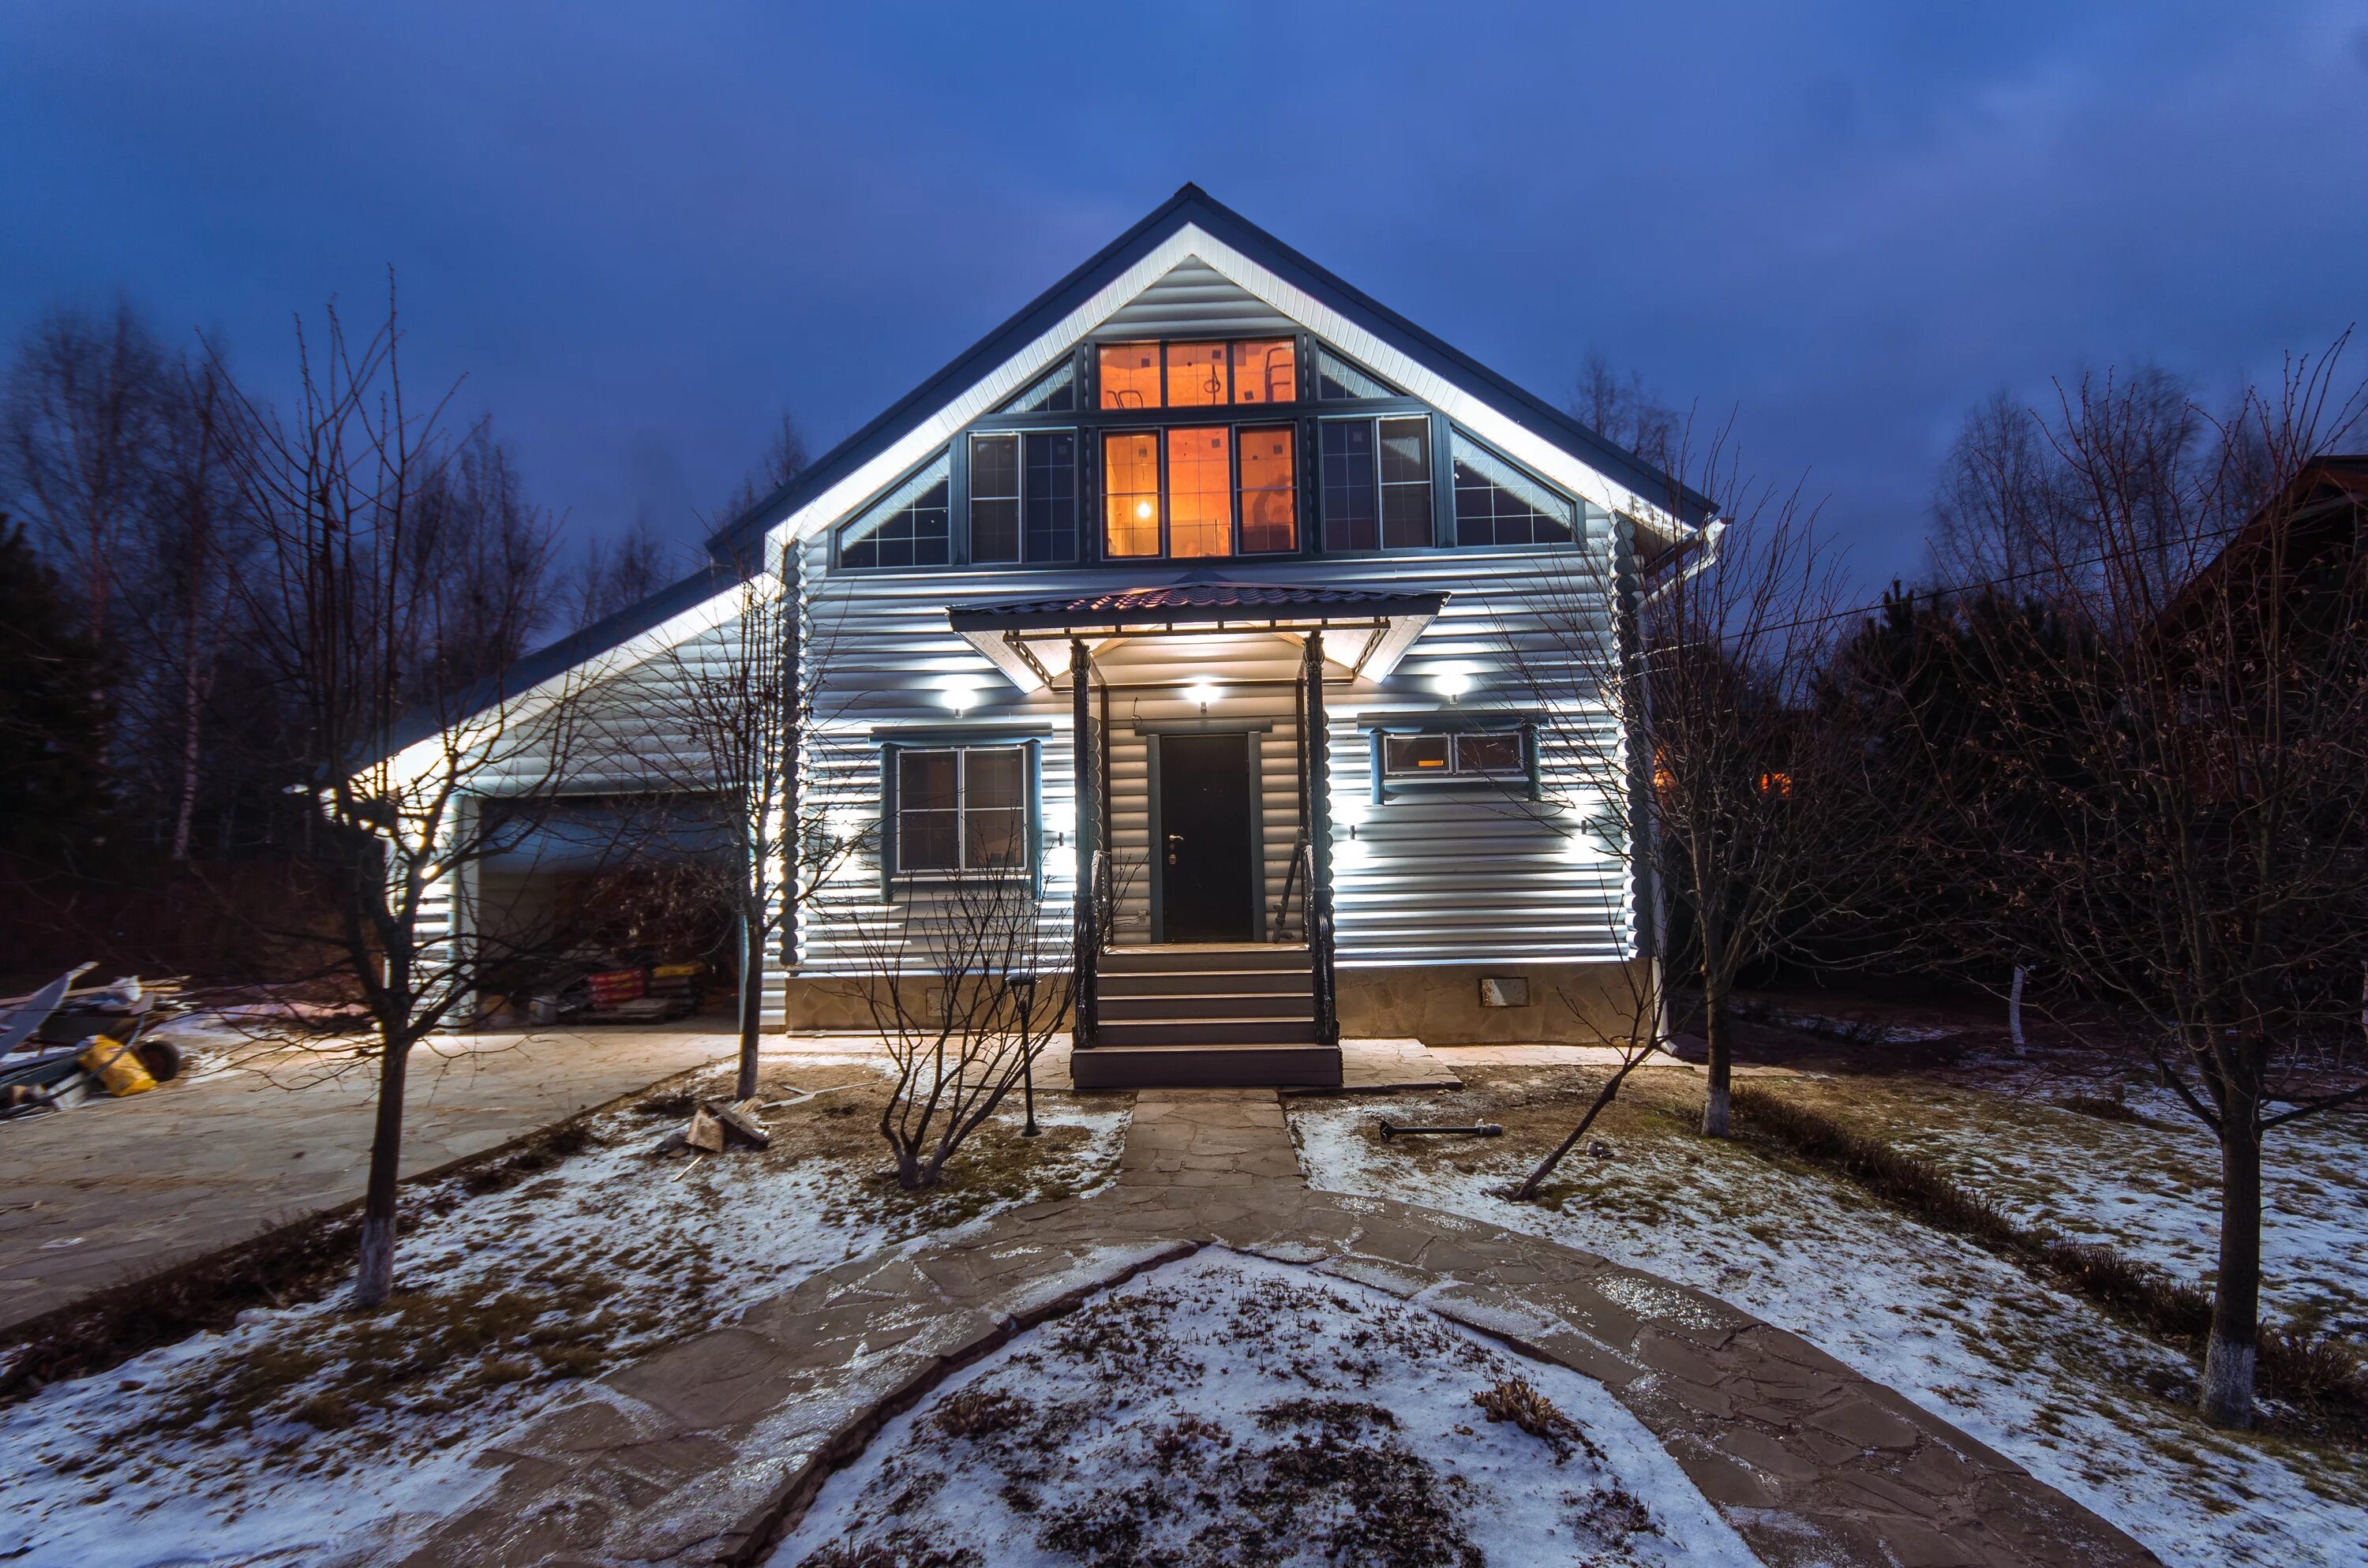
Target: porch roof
1003, 628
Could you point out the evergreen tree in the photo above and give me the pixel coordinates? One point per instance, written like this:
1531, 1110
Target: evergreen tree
54, 717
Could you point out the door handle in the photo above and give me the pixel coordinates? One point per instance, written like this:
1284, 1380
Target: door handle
1173, 840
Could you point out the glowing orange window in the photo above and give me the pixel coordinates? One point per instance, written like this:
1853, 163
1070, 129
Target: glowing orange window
1270, 510
1130, 493
1196, 375
1129, 375
1266, 370
1199, 492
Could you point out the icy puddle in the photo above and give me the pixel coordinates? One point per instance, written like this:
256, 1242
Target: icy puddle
1229, 1409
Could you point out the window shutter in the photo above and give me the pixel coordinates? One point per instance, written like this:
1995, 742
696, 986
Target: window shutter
1036, 818
888, 823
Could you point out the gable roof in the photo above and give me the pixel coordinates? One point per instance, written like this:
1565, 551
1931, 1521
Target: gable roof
1194, 206
736, 547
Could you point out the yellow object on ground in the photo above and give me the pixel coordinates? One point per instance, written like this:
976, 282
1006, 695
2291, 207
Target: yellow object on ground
116, 1066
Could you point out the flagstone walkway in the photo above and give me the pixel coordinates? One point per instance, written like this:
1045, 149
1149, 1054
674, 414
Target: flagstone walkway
707, 1451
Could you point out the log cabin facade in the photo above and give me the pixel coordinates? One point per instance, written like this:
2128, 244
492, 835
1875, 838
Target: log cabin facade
1211, 591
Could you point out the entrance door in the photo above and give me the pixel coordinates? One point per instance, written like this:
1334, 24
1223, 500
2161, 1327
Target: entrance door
1207, 892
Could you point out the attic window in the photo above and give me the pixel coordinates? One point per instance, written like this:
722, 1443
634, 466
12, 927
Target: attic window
1053, 393
1498, 503
1253, 370
1337, 380
910, 526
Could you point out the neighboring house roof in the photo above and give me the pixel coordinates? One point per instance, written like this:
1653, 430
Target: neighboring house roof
2317, 514
738, 547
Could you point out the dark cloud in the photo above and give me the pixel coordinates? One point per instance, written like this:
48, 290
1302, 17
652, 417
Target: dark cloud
642, 232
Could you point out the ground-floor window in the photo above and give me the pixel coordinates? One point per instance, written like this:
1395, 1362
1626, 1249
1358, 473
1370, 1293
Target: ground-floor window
960, 807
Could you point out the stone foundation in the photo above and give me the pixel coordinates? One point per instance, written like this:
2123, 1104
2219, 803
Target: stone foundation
1569, 1004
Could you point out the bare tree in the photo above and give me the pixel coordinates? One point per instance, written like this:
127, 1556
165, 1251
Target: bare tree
613, 577
2172, 800
1623, 409
1733, 639
968, 984
734, 707
393, 591
1683, 744
783, 458
194, 540
80, 426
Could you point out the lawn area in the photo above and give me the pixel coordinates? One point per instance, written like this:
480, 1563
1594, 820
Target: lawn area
313, 1435
2093, 1408
2147, 1185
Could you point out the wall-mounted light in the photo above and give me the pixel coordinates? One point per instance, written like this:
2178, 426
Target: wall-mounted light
1453, 682
960, 692
1201, 692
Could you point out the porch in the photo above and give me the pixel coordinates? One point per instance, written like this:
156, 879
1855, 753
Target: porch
1204, 936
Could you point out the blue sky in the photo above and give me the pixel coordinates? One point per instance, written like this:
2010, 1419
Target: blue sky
643, 232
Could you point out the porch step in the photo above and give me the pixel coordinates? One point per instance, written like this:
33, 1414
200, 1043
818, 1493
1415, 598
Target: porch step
1208, 982
1294, 1002
1206, 1066
1228, 957
1187, 1030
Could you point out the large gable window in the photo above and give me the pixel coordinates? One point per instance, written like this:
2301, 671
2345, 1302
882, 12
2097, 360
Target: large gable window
1198, 375
1497, 503
960, 807
1376, 483
910, 526
1197, 491
1023, 496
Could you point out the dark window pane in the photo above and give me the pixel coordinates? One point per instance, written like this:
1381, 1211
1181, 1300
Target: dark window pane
995, 498
1054, 393
927, 781
1051, 495
1498, 504
912, 528
1346, 454
1405, 483
995, 839
1339, 381
1415, 753
928, 841
1489, 754
1270, 501
995, 778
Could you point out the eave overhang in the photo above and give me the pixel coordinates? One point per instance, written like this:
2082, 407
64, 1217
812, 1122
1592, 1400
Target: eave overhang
1009, 632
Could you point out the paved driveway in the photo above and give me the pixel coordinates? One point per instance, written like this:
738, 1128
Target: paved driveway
116, 1188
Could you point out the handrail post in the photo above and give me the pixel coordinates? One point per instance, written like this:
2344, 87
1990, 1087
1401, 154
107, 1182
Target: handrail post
1085, 771
1319, 843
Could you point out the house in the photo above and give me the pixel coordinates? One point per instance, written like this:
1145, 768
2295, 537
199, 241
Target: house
1291, 633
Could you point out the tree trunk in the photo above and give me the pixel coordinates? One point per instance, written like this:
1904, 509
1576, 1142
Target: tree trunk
375, 1276
1715, 1029
752, 1001
2227, 1398
192, 715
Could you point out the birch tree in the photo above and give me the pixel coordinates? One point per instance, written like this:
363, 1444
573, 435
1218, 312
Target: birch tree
390, 616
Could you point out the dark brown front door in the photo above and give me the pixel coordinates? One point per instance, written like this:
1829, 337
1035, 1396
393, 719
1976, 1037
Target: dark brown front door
1206, 892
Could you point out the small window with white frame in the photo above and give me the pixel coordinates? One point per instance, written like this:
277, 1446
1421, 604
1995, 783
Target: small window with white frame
961, 809
1468, 757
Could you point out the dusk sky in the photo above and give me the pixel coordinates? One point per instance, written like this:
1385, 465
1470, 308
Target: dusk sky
642, 232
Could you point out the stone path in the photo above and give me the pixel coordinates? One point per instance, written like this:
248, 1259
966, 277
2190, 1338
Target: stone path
117, 1188
707, 1451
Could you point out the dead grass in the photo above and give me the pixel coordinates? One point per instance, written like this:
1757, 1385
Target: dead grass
1517, 1401
2325, 1375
